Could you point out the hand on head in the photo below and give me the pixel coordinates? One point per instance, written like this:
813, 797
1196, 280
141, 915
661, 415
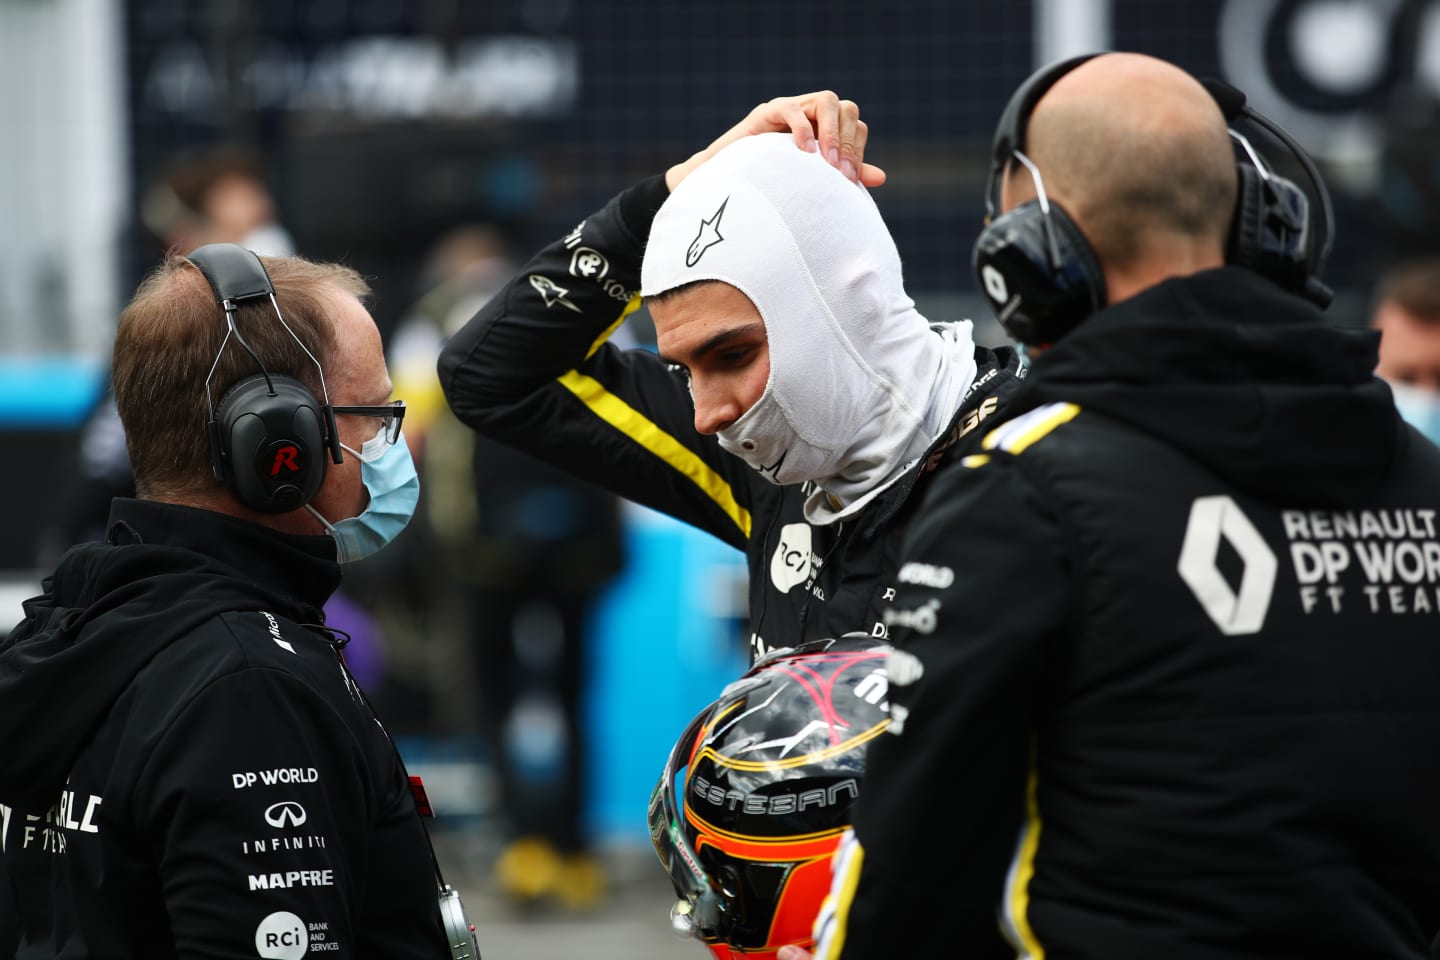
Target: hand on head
820, 121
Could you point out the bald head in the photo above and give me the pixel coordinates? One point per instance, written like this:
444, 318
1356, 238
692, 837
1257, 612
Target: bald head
1137, 152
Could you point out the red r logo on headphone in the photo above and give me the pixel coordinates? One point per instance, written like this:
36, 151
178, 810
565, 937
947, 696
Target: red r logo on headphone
286, 457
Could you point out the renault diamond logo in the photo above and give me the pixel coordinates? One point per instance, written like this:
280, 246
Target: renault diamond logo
286, 813
1236, 611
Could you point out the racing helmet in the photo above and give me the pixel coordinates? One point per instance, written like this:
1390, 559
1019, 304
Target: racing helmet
756, 793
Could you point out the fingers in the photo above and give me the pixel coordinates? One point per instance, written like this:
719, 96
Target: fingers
792, 114
824, 106
839, 128
851, 135
866, 173
843, 136
818, 121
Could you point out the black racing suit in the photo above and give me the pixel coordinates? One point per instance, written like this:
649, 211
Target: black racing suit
189, 772
1185, 701
533, 370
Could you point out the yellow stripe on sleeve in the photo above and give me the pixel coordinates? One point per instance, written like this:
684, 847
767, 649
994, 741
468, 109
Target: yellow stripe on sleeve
635, 425
830, 923
630, 308
1019, 434
1017, 883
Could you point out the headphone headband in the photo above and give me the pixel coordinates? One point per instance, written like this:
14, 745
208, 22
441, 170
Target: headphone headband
1010, 131
234, 273
1038, 269
268, 434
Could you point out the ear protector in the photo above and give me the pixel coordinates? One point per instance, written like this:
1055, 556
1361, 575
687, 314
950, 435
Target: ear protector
1043, 277
269, 435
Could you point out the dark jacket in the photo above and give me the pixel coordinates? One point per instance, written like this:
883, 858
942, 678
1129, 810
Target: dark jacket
188, 769
1184, 703
533, 370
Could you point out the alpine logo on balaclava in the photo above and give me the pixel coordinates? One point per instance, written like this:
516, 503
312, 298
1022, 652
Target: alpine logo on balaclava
707, 236
859, 384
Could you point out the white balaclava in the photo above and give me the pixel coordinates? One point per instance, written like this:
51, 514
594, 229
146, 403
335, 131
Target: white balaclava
860, 385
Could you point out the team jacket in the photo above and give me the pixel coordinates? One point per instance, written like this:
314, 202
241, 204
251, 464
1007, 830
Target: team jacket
188, 770
1187, 706
533, 370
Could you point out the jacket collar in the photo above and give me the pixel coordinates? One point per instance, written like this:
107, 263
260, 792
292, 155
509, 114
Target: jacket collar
288, 565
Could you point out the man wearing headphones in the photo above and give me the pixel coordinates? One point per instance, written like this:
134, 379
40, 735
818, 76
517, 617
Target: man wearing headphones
798, 399
1186, 708
190, 770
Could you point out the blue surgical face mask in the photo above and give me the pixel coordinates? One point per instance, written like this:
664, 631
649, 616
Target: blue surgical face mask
388, 473
1419, 407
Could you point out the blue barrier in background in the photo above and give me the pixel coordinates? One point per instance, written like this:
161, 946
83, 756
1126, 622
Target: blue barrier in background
666, 641
49, 393
665, 638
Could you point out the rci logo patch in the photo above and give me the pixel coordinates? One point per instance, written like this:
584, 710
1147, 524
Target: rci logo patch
1235, 612
281, 936
791, 562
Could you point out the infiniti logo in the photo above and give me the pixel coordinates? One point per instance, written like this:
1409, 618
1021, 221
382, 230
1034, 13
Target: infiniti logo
286, 813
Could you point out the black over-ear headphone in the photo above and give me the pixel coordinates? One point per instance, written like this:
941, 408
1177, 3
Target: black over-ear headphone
1043, 277
269, 434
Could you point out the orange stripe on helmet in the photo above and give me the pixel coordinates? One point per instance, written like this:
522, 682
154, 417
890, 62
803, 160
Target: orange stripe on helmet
767, 851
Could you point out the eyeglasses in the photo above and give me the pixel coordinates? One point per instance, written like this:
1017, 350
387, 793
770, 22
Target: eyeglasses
392, 413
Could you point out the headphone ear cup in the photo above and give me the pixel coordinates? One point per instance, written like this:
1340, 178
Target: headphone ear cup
1242, 246
1039, 272
1270, 232
269, 448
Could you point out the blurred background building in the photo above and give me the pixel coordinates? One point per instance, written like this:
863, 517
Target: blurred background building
368, 130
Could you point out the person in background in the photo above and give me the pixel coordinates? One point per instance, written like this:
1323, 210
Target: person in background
218, 196
1407, 314
516, 553
1167, 683
190, 769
